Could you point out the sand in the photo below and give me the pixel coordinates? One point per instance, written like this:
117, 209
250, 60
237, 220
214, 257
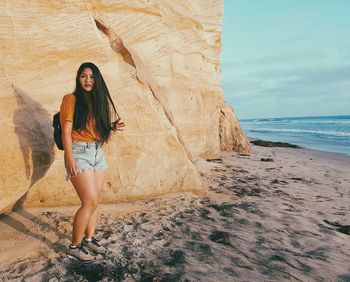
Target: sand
278, 214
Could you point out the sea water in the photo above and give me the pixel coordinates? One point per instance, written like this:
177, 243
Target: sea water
324, 133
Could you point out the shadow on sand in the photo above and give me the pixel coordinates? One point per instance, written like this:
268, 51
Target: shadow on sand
35, 134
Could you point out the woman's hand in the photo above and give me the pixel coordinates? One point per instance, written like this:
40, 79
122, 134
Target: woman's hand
68, 151
71, 167
117, 125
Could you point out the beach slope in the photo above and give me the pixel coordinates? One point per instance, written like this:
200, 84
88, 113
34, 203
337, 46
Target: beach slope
277, 214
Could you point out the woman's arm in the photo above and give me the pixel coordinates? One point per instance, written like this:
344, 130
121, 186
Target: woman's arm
67, 144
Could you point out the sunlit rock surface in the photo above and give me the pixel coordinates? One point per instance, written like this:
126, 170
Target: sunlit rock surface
161, 62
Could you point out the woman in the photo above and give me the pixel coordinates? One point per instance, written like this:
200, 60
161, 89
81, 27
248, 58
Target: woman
85, 118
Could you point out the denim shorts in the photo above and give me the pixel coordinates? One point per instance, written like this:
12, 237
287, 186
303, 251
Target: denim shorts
87, 156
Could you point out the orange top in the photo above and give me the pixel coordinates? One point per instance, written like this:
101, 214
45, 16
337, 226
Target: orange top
89, 133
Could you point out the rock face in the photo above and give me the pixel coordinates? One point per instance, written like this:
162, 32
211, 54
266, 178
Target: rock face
161, 62
232, 138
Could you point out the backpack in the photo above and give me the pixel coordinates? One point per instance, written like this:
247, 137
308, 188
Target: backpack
57, 131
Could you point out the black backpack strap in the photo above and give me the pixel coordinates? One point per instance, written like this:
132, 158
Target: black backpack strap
56, 120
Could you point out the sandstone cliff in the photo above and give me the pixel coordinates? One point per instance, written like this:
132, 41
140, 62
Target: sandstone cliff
161, 62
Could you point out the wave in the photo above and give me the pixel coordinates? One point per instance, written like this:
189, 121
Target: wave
322, 122
261, 119
310, 121
345, 119
316, 132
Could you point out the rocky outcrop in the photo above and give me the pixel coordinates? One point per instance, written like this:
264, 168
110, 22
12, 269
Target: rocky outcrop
232, 137
161, 62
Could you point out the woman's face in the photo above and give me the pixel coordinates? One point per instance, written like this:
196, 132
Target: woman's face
87, 79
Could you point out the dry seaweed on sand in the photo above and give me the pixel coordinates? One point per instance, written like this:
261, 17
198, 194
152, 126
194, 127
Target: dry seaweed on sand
265, 143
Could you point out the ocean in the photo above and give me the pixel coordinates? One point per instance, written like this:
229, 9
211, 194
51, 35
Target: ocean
323, 133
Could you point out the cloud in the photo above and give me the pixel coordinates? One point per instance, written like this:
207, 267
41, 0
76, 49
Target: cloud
286, 58
283, 90
280, 80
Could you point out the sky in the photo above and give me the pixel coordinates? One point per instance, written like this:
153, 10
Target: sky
286, 58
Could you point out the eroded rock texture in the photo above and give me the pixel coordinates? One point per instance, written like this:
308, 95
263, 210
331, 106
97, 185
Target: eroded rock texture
161, 62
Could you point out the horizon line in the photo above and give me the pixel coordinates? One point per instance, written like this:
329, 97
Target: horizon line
295, 117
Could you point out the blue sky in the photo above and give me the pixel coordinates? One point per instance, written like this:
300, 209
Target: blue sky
286, 57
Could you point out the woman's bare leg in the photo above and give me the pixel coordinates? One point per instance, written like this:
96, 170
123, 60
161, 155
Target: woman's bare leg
99, 180
85, 186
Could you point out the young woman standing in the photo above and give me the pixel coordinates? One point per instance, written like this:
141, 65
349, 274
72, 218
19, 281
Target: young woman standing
86, 122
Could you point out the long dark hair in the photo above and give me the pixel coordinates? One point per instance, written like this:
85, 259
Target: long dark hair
99, 101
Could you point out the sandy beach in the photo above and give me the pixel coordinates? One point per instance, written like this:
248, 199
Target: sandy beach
275, 215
